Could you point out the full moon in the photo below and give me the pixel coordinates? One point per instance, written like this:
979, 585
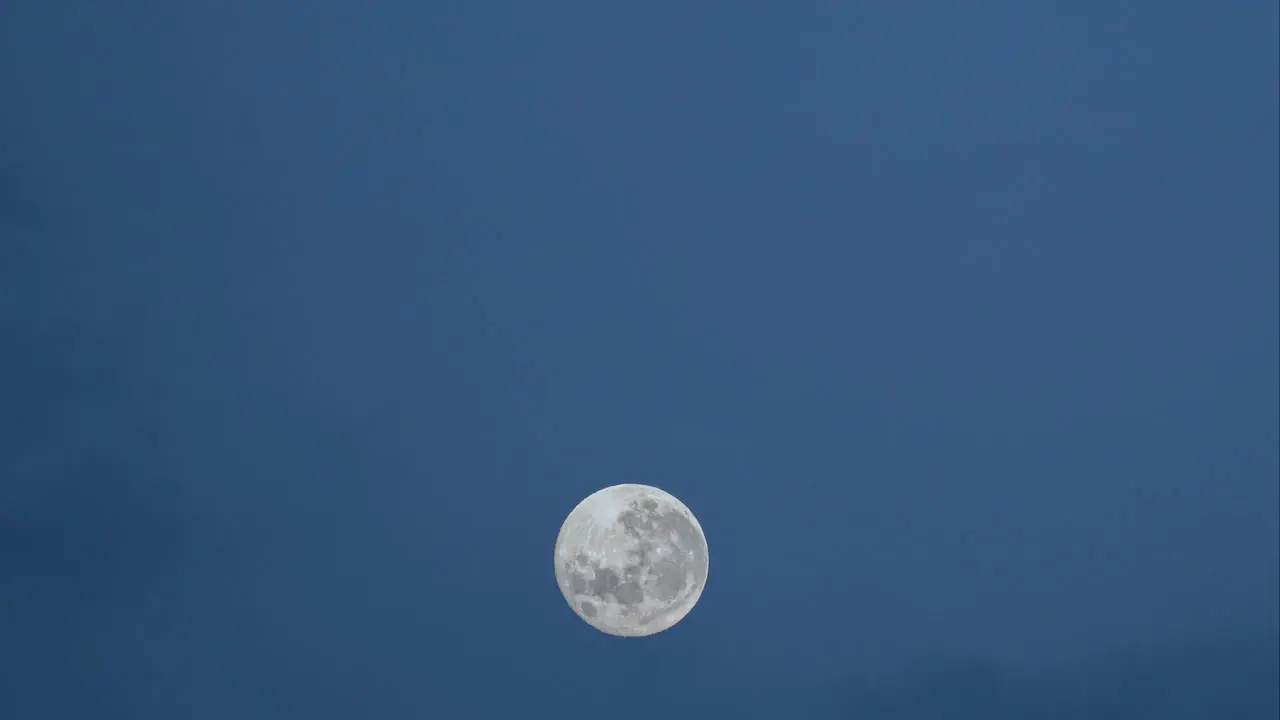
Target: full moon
631, 560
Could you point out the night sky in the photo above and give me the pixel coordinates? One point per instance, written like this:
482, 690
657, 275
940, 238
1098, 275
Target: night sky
957, 325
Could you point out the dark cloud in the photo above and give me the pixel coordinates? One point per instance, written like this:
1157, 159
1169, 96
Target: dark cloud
103, 522
89, 503
1237, 679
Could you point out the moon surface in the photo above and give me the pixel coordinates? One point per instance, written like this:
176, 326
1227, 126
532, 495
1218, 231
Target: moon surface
631, 560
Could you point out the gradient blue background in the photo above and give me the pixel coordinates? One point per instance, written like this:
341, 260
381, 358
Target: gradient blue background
957, 325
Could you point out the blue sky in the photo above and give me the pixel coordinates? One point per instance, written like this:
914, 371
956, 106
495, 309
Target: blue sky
958, 328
